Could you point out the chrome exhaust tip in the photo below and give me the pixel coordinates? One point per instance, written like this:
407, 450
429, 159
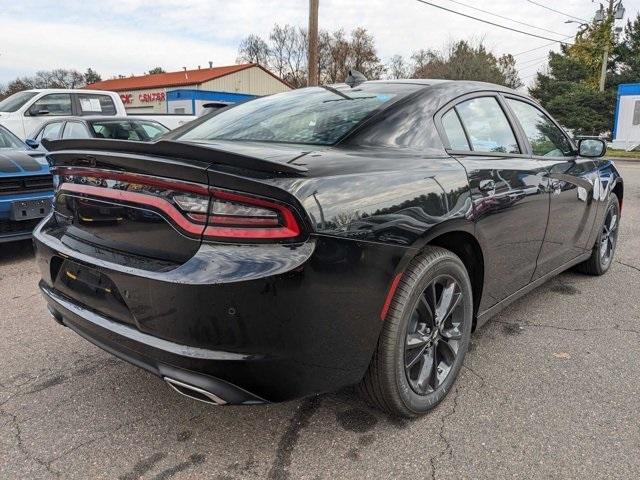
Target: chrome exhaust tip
195, 393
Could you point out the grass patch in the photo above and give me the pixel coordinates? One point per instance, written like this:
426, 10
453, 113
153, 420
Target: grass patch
623, 153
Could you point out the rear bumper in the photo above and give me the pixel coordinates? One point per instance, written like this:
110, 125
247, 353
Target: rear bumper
249, 324
160, 357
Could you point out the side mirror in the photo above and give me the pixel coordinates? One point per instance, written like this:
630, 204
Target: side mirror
35, 111
591, 147
32, 143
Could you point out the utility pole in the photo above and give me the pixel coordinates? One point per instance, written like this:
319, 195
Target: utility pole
613, 13
312, 75
605, 54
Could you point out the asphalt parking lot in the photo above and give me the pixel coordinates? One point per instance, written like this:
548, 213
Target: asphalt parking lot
550, 389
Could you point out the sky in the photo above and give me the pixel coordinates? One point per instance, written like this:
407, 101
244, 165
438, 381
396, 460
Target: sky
131, 36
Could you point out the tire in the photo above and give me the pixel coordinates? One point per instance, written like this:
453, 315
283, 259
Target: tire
599, 262
390, 383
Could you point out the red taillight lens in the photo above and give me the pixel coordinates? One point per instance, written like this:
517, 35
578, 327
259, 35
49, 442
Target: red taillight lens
234, 215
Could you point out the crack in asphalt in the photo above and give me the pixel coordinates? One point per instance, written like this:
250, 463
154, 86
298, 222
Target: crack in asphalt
570, 329
483, 382
47, 464
628, 265
25, 451
286, 445
448, 449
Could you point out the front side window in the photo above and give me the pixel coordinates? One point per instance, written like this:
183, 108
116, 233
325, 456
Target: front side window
454, 131
545, 138
487, 126
52, 104
16, 101
51, 131
75, 130
94, 104
317, 116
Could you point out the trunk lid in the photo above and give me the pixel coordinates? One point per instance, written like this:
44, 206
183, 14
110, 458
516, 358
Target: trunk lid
129, 197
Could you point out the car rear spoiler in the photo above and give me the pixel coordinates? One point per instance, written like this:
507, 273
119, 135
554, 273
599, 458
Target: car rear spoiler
173, 149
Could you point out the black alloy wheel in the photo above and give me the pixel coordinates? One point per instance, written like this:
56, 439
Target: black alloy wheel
609, 234
433, 335
604, 249
424, 338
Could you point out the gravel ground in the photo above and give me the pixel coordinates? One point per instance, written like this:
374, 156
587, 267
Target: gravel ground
551, 389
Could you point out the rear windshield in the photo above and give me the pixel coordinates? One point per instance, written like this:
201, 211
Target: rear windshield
9, 140
317, 115
15, 101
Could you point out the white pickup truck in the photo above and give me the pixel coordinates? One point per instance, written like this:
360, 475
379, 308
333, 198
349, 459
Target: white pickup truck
25, 111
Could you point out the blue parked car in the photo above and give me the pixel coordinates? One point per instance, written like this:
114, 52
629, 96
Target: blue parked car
26, 187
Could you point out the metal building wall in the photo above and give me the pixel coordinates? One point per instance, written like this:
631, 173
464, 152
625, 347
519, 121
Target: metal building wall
253, 81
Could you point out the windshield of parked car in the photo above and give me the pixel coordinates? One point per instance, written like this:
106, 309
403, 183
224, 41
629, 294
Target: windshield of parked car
317, 115
140, 130
9, 140
15, 101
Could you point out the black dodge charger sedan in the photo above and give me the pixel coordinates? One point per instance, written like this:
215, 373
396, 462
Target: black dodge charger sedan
323, 237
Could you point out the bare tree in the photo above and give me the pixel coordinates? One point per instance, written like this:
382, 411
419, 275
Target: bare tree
362, 54
286, 54
397, 67
253, 49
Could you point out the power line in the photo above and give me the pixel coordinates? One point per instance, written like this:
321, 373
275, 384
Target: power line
488, 22
533, 60
558, 11
541, 46
506, 18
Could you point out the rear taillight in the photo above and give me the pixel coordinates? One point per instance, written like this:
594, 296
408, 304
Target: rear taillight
235, 215
194, 208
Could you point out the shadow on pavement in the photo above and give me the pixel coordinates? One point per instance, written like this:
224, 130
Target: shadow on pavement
15, 251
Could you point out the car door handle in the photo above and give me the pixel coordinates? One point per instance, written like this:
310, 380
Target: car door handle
487, 185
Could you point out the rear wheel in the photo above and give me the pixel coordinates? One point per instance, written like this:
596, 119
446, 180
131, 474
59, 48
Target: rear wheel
605, 247
425, 337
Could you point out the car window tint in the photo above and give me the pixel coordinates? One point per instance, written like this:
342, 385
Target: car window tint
51, 131
454, 131
487, 126
92, 104
53, 104
118, 130
75, 130
545, 138
153, 130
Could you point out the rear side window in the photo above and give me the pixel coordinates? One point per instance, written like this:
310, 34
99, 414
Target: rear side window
487, 126
152, 130
52, 104
92, 104
454, 131
75, 130
545, 138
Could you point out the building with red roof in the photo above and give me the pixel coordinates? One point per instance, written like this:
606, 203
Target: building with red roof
186, 91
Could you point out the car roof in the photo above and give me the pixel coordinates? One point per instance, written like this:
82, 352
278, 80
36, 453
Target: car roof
69, 90
460, 86
101, 118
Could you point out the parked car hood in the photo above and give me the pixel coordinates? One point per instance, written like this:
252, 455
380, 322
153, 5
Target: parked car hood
21, 162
